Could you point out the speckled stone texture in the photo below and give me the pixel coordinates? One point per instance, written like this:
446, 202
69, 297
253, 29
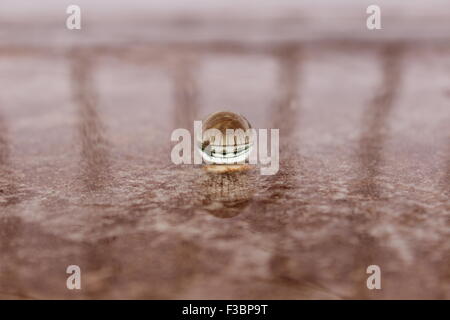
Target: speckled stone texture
86, 176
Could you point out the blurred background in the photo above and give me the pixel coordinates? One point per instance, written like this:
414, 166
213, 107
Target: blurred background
85, 171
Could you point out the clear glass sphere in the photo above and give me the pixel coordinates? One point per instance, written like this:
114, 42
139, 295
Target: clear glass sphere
226, 138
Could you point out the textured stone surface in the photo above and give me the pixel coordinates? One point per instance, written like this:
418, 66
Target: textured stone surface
86, 176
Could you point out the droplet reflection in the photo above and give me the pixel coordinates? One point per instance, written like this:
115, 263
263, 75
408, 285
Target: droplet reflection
226, 195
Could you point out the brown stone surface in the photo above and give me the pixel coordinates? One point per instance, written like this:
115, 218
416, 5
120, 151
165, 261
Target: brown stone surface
86, 176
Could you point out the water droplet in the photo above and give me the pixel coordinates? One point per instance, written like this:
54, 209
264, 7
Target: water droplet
226, 138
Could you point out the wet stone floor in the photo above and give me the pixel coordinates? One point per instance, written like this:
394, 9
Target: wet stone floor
86, 177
